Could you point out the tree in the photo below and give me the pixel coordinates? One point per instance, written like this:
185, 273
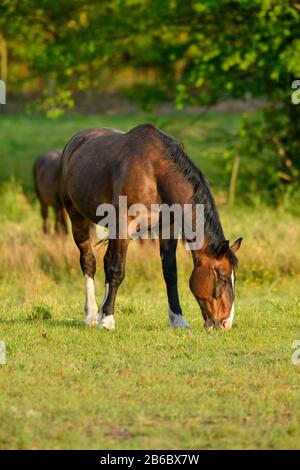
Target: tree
232, 49
202, 51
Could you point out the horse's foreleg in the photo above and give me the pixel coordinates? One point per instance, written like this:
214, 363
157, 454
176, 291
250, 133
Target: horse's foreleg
80, 228
168, 258
114, 266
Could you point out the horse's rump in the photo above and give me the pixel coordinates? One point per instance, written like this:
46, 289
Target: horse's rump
46, 177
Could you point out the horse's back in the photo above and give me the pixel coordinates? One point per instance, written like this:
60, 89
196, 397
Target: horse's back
80, 139
108, 140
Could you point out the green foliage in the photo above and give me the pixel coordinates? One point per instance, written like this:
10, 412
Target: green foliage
147, 96
271, 137
210, 50
55, 105
198, 52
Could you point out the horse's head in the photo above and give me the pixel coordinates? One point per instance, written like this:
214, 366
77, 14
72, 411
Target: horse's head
212, 283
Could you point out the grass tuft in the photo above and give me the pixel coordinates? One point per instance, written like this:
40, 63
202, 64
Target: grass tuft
40, 312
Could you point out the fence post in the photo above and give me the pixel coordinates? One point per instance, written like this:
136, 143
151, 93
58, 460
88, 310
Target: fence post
3, 54
233, 179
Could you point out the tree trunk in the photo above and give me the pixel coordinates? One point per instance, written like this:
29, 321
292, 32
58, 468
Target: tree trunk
3, 56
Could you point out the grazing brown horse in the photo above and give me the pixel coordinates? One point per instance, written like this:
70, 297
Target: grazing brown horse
149, 167
46, 180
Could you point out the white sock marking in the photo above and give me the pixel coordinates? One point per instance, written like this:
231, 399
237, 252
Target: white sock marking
229, 321
177, 321
91, 308
106, 322
232, 307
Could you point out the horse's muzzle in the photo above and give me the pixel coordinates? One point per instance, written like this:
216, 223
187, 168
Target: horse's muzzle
218, 325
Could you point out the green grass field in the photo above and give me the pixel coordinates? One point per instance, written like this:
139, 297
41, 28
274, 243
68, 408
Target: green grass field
143, 386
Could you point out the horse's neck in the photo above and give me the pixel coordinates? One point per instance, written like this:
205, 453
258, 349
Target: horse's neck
176, 190
205, 218
182, 192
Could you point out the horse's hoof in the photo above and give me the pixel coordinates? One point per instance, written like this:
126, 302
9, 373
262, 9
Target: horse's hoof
107, 322
91, 320
177, 321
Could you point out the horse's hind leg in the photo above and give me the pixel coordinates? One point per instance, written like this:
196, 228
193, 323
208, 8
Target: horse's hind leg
44, 212
61, 227
81, 233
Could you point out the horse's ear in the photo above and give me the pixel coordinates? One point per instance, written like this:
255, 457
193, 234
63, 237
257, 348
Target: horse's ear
235, 246
222, 249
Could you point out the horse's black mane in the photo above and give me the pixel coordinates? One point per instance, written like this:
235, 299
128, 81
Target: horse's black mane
202, 193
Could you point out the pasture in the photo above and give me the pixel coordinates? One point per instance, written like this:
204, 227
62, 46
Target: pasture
144, 385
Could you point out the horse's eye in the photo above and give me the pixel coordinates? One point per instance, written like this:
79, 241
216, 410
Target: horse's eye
221, 278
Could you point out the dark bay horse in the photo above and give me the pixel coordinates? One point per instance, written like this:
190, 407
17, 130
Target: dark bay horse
46, 181
149, 167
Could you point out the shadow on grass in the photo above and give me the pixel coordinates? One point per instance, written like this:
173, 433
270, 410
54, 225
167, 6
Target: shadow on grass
79, 325
55, 323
